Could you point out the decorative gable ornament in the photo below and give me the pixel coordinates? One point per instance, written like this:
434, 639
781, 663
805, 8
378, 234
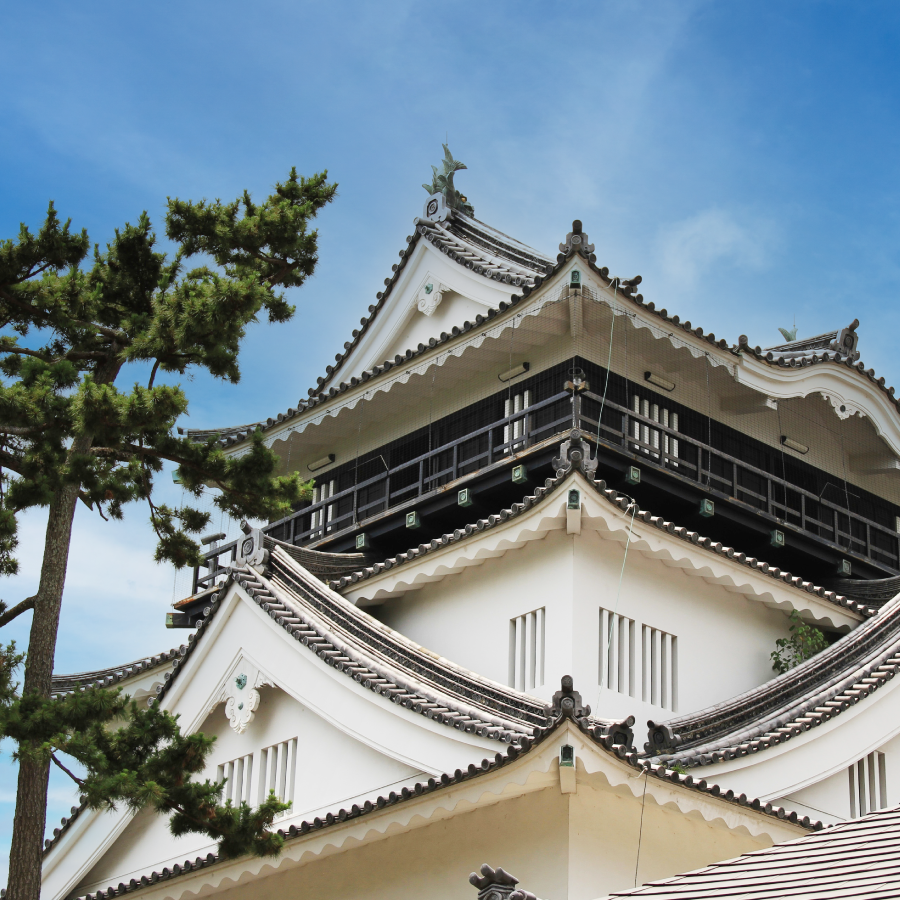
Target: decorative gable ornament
251, 548
577, 242
429, 296
847, 341
241, 694
436, 208
442, 186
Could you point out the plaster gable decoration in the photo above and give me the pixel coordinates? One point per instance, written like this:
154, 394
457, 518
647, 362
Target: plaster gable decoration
429, 295
843, 408
241, 694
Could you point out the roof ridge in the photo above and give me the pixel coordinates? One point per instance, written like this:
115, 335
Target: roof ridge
65, 683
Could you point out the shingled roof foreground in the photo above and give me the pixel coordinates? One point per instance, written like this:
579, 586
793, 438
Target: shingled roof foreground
858, 859
567, 706
576, 243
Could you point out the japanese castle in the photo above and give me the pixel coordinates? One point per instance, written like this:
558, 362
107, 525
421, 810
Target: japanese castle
524, 627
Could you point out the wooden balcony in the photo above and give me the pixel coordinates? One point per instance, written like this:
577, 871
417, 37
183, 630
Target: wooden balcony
678, 469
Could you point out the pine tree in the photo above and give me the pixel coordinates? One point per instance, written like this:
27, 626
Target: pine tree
74, 427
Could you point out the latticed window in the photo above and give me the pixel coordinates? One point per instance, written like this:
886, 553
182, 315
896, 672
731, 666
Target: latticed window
518, 428
652, 439
278, 771
238, 777
321, 517
617, 652
659, 654
631, 653
527, 641
868, 785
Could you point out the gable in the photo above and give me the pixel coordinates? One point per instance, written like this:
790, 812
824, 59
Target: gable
411, 314
298, 693
287, 748
589, 820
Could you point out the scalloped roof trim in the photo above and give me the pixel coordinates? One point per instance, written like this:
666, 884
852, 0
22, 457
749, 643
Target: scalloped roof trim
446, 780
620, 500
626, 288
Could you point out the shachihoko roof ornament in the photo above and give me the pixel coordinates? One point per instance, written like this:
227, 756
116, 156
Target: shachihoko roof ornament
442, 183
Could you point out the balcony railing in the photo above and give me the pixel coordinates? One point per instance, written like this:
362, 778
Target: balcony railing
667, 448
410, 480
652, 440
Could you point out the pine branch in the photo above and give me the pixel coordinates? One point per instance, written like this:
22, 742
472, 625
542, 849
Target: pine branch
72, 775
22, 430
17, 610
117, 336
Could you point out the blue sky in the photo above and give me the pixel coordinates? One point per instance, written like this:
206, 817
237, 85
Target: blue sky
741, 156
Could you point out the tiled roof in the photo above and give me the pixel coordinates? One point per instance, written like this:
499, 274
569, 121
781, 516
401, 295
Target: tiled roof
323, 565
374, 655
873, 591
512, 753
814, 692
624, 503
65, 684
856, 859
576, 243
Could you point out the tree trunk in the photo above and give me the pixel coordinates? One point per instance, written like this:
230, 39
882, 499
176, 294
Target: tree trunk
25, 854
31, 793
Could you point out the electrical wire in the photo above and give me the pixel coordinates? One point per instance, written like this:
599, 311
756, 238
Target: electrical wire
633, 507
637, 861
612, 326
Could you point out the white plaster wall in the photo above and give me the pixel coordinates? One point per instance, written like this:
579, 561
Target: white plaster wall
604, 832
332, 768
829, 799
566, 847
454, 309
724, 639
528, 836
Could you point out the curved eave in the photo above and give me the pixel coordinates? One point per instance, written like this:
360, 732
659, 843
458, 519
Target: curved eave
847, 381
813, 693
449, 541
849, 387
616, 764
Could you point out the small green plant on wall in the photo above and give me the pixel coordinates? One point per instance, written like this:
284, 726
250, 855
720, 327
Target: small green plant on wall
805, 642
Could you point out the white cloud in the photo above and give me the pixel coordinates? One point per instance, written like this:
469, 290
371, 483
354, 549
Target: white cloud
691, 248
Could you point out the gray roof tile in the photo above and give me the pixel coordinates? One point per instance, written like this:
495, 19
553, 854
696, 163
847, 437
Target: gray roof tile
860, 858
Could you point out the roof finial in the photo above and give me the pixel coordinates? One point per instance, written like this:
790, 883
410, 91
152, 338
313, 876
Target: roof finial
567, 702
576, 241
789, 335
498, 884
442, 183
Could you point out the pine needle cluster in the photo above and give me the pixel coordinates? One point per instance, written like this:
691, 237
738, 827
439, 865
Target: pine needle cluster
94, 342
